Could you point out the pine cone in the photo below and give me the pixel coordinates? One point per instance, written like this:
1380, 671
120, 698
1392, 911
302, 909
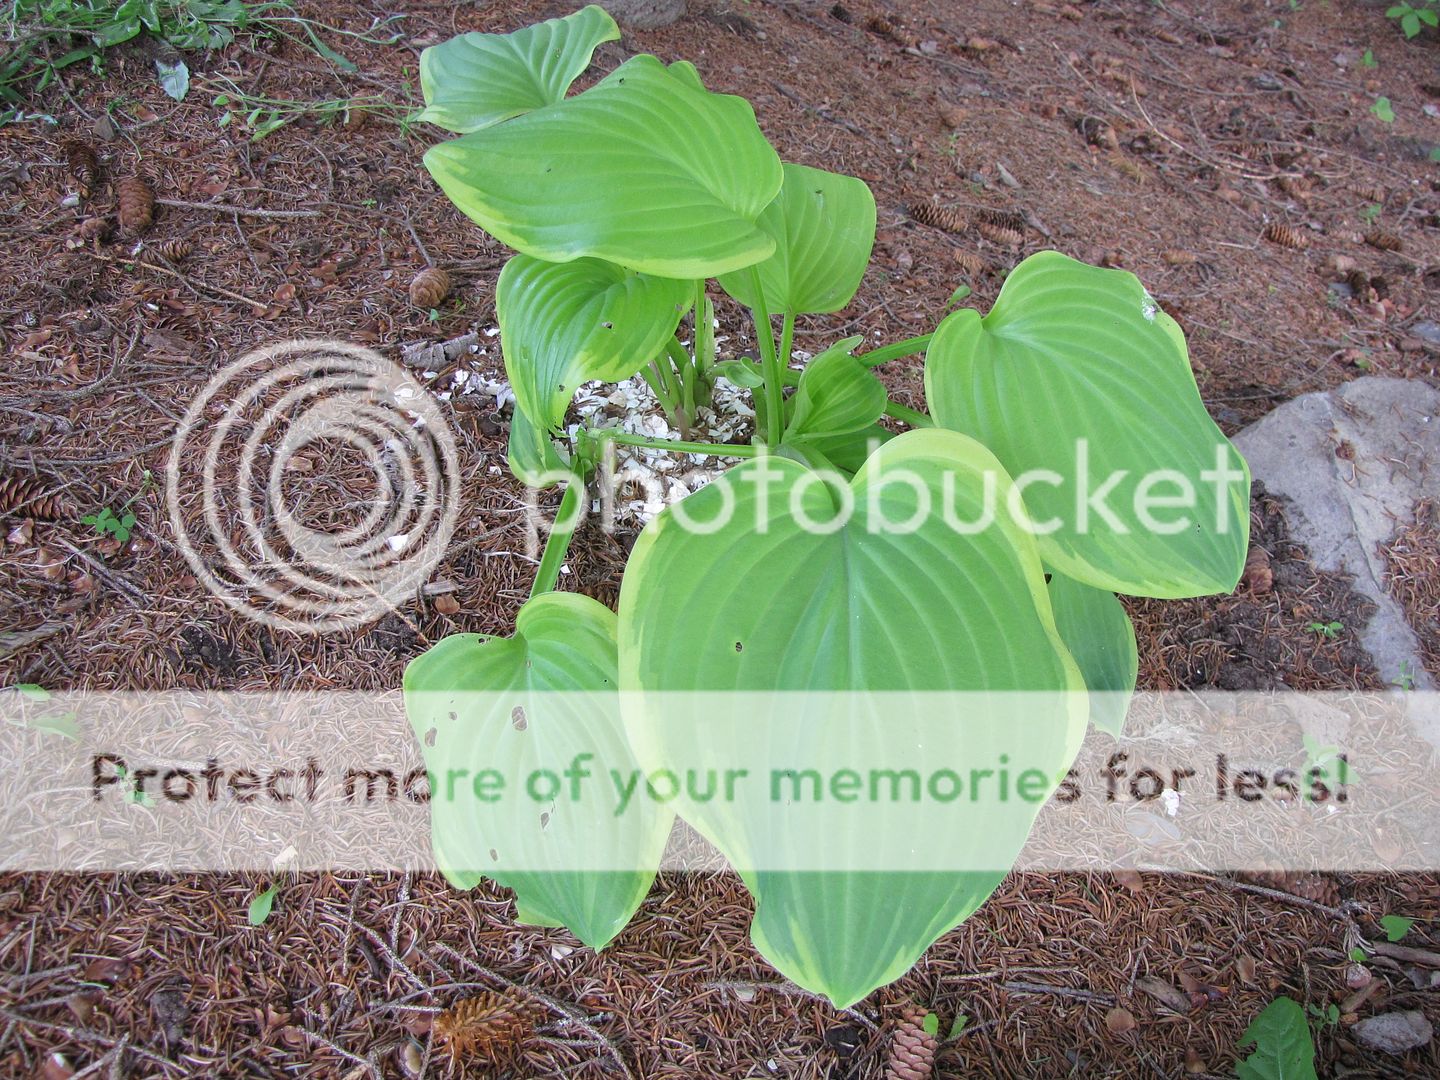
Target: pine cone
939, 217
1286, 236
25, 496
1004, 219
878, 24
1372, 194
970, 264
1097, 132
429, 288
84, 166
999, 234
490, 1026
174, 250
137, 204
1359, 283
94, 228
912, 1049
1319, 888
1385, 241
1178, 258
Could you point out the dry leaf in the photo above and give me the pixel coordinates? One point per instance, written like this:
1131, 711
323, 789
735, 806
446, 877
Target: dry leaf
1245, 969
1169, 996
1120, 1021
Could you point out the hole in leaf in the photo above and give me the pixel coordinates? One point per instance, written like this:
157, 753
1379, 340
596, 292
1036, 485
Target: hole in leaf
545, 819
739, 647
517, 719
430, 737
494, 856
1047, 579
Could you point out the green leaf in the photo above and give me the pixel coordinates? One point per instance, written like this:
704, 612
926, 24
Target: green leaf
1429, 16
62, 724
856, 608
475, 80
113, 33
1097, 630
1283, 1049
642, 170
174, 78
685, 71
837, 394
845, 452
326, 52
261, 906
1395, 927
956, 1028
559, 671
1382, 110
33, 691
563, 324
1077, 366
931, 1024
533, 457
824, 227
740, 373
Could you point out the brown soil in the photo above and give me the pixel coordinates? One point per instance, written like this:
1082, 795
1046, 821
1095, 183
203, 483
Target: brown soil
1160, 138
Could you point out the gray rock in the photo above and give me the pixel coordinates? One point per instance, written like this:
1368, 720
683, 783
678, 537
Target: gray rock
644, 14
1353, 462
1427, 332
1395, 1032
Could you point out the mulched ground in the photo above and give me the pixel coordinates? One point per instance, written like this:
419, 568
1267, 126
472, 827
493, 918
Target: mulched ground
1175, 140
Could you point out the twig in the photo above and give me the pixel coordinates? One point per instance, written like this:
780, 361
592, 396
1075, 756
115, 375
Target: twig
244, 211
256, 304
1405, 953
1058, 991
80, 1034
104, 573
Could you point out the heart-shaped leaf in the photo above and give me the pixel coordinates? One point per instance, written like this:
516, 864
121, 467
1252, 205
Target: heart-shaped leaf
644, 169
1097, 630
1082, 387
887, 597
837, 394
824, 227
563, 324
533, 457
484, 707
846, 453
475, 80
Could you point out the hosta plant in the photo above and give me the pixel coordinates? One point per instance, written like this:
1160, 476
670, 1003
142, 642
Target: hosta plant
1066, 422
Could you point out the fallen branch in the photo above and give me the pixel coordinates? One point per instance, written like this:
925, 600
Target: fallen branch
243, 211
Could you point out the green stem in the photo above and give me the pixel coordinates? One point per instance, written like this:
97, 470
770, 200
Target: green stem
907, 415
567, 518
774, 371
704, 328
654, 377
677, 446
893, 352
685, 369
787, 339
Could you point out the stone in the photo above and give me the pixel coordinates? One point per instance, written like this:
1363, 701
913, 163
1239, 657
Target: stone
1352, 462
1394, 1032
644, 14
